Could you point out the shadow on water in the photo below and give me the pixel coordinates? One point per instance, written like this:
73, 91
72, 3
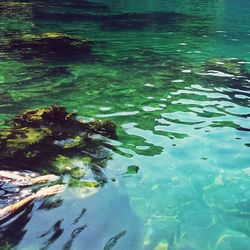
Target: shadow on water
12, 229
56, 232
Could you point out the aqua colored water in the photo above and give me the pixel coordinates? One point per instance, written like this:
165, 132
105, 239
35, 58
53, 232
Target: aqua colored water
188, 133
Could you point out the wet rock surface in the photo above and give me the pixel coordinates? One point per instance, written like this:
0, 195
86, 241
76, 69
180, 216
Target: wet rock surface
48, 131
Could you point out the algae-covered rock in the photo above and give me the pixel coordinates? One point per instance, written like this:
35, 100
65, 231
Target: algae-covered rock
43, 117
233, 67
16, 140
47, 132
58, 120
50, 44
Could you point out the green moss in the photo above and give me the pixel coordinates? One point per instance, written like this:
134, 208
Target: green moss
77, 173
19, 139
60, 121
51, 129
106, 128
42, 117
76, 142
83, 183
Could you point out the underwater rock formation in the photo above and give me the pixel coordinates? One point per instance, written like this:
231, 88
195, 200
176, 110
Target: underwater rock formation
232, 67
49, 45
47, 131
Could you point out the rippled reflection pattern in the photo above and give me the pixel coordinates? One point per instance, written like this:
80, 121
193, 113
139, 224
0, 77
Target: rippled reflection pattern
184, 124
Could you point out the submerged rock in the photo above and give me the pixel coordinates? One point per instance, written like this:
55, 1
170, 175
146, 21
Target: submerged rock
233, 67
47, 131
49, 45
57, 118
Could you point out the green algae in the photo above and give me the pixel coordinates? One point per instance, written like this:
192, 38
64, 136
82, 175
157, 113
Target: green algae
132, 170
52, 127
83, 183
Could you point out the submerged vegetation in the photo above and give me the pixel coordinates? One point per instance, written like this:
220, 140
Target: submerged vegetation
50, 135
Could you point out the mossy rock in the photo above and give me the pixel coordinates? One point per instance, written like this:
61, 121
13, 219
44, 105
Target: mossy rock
60, 121
233, 67
50, 44
42, 117
17, 140
49, 130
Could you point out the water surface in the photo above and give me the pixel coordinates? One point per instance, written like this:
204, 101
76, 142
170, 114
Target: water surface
187, 131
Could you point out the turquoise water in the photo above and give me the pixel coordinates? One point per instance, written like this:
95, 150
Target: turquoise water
187, 131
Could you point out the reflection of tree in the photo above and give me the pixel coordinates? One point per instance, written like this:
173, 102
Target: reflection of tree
73, 236
12, 229
47, 204
112, 242
80, 216
56, 231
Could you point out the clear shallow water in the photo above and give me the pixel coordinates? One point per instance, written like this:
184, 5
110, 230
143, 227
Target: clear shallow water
188, 133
